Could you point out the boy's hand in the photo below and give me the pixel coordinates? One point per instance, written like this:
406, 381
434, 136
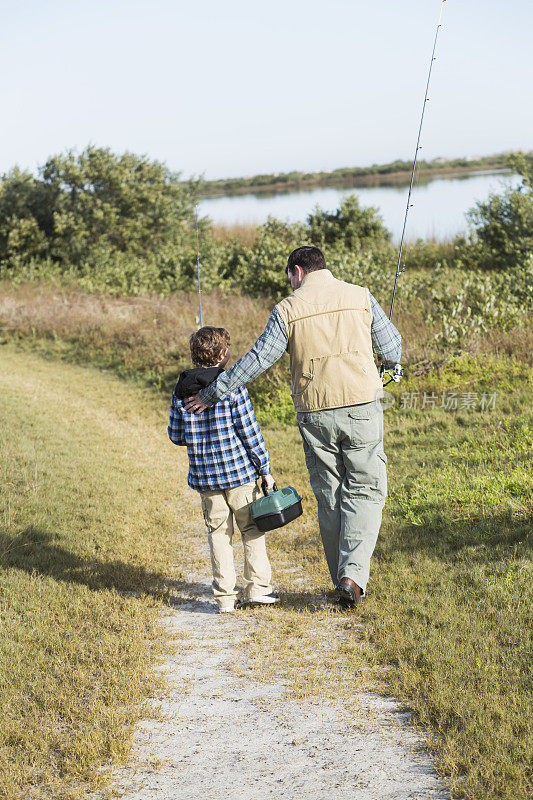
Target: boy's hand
194, 405
269, 482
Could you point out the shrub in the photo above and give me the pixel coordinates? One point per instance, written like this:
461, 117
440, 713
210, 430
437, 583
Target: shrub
502, 227
94, 202
351, 227
468, 303
260, 269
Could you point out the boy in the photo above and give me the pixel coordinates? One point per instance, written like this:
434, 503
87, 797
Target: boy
227, 454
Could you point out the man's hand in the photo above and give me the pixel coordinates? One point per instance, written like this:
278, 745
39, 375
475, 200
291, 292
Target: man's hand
194, 405
269, 482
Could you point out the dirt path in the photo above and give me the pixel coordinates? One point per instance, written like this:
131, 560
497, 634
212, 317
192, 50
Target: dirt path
222, 733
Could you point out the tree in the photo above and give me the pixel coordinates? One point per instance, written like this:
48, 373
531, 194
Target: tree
25, 217
96, 202
127, 203
352, 227
502, 226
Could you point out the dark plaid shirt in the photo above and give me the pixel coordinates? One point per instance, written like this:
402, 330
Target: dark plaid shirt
224, 443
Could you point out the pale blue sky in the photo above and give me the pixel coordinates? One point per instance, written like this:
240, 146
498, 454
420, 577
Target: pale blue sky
239, 87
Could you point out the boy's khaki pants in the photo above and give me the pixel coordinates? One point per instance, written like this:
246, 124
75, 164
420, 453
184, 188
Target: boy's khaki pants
219, 507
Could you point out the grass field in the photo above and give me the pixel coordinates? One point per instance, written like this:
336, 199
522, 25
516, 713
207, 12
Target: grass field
449, 603
88, 531
450, 600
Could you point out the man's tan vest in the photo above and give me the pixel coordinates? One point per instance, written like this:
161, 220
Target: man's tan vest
328, 323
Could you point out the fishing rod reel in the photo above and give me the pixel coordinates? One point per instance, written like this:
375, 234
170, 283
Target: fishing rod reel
394, 375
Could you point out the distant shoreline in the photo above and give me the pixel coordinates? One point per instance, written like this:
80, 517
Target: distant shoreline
397, 172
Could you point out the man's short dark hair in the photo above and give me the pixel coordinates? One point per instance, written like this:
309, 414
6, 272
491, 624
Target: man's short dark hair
308, 258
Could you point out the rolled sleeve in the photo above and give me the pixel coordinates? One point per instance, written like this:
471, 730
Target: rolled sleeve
386, 338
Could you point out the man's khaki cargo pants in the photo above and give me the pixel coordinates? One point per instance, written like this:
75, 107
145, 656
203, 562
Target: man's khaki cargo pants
347, 469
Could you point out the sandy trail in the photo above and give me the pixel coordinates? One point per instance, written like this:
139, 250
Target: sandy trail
223, 734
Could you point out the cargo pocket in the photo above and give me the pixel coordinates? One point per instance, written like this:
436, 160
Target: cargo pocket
309, 454
365, 427
205, 513
383, 478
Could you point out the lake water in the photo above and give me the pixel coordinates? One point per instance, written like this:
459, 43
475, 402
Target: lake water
438, 210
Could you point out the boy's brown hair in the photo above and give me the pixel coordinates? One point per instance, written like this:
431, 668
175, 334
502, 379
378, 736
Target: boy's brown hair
206, 344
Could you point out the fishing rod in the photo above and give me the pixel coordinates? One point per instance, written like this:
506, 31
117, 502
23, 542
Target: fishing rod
198, 266
397, 372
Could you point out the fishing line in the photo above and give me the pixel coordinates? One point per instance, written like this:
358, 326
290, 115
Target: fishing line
198, 267
400, 295
397, 372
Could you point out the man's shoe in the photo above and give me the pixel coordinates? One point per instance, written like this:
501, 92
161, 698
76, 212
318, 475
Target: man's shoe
348, 592
263, 599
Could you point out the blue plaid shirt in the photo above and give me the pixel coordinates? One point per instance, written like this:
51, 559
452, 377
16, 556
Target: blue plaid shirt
386, 342
224, 443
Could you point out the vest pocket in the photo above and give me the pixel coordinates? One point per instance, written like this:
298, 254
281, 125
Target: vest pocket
331, 374
301, 381
335, 369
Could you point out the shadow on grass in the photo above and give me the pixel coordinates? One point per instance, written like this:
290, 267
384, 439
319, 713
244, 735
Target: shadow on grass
34, 551
307, 599
439, 535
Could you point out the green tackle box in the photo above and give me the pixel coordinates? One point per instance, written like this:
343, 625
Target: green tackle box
277, 508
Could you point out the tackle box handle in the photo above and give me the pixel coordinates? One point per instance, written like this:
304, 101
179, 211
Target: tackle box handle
263, 487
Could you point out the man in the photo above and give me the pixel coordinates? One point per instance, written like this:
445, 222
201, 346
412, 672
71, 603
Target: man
330, 329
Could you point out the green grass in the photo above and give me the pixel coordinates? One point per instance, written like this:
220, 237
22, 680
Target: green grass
449, 604
449, 601
87, 533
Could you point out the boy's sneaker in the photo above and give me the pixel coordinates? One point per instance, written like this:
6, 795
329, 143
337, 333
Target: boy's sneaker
226, 609
264, 599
